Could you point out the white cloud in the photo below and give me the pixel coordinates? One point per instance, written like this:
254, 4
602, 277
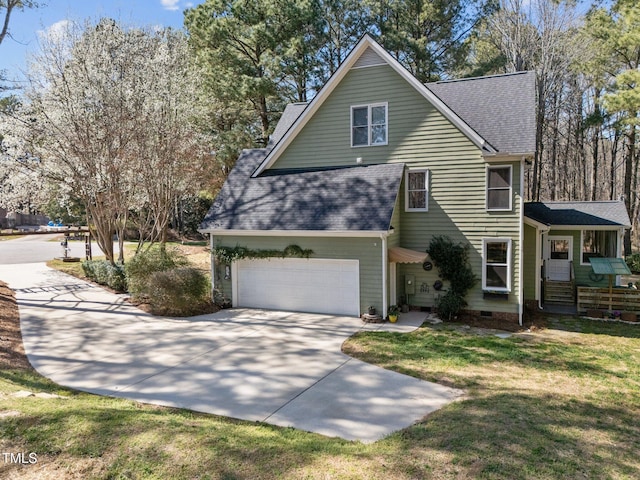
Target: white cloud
55, 31
170, 4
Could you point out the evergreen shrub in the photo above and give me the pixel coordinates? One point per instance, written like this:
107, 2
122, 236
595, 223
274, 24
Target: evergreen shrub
105, 273
452, 261
180, 291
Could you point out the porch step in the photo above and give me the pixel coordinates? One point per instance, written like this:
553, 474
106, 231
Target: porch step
559, 292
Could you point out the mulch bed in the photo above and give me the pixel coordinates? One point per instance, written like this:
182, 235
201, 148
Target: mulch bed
12, 356
532, 321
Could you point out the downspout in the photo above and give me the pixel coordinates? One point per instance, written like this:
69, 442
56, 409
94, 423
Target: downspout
521, 244
385, 261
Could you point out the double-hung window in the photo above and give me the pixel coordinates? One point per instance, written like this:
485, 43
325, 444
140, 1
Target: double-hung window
496, 264
369, 125
499, 187
416, 190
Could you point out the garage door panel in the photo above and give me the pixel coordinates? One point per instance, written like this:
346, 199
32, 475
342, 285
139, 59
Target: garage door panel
309, 285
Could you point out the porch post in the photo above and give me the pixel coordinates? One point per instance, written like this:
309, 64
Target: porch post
385, 260
213, 268
619, 251
393, 281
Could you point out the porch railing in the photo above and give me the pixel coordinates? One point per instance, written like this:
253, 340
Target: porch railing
620, 299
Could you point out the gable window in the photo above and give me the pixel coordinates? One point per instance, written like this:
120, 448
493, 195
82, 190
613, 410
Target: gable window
369, 125
499, 188
416, 194
496, 264
599, 243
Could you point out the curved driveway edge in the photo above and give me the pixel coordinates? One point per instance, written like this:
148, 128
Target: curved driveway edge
282, 368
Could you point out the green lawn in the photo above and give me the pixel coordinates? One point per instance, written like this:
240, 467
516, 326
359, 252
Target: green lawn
552, 404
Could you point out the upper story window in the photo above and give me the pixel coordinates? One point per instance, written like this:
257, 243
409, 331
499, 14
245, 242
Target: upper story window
499, 187
416, 190
369, 125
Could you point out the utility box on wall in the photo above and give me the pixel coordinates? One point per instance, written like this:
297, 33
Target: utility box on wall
409, 284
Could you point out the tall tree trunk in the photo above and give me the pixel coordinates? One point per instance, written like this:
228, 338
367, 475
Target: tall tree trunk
614, 159
628, 179
554, 151
596, 146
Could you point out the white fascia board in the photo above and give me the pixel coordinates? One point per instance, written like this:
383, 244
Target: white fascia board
298, 233
335, 80
506, 157
538, 225
588, 227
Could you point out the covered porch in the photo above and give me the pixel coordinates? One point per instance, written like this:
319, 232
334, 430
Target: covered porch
560, 240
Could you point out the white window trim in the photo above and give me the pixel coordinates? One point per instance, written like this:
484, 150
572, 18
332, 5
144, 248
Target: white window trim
499, 167
369, 117
582, 247
406, 189
509, 264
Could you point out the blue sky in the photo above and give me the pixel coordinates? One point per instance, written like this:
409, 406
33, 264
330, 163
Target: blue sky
25, 25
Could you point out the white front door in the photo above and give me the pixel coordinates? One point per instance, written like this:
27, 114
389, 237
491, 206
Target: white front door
558, 257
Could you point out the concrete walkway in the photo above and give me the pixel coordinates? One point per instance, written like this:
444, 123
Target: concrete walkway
281, 368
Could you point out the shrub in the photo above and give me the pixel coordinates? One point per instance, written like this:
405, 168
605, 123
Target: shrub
452, 261
105, 273
633, 262
180, 291
449, 305
140, 268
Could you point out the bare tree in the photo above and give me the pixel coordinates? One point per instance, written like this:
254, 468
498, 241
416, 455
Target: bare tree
537, 35
6, 9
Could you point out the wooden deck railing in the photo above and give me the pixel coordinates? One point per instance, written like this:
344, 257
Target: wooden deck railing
621, 299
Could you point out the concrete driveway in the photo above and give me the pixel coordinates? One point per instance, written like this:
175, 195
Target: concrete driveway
281, 368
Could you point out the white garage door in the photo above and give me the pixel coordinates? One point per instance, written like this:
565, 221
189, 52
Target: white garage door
296, 284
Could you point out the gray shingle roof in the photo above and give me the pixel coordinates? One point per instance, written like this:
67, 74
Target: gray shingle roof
501, 108
291, 113
613, 213
358, 198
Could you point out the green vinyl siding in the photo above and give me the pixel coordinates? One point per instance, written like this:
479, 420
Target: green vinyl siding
419, 136
457, 209
368, 251
529, 262
415, 127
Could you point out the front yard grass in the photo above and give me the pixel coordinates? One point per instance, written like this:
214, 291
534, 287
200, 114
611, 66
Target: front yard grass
551, 404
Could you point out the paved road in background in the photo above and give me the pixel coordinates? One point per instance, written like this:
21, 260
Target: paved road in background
38, 248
